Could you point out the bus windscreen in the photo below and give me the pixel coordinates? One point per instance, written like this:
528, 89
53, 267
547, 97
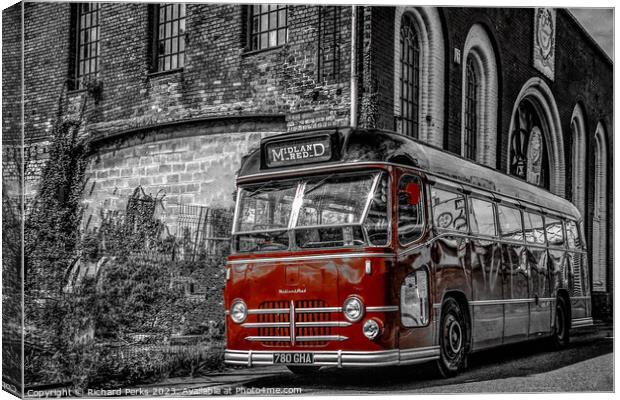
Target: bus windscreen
337, 210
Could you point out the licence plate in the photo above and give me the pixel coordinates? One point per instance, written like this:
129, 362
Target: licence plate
293, 358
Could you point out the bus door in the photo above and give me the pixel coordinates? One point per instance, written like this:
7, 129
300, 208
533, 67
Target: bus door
515, 274
540, 308
486, 275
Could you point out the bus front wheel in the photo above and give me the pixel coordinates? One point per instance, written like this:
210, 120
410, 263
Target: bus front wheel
452, 339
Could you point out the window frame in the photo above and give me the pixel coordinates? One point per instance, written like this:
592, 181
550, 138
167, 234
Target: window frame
423, 208
561, 219
452, 190
499, 224
156, 39
410, 103
251, 33
81, 80
471, 108
495, 216
542, 218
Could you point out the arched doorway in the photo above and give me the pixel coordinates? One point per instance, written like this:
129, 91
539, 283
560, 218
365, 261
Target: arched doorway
535, 145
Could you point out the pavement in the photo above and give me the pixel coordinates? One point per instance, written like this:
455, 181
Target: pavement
585, 366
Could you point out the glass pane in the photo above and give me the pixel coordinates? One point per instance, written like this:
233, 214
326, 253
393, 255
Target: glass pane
161, 31
174, 46
181, 44
175, 11
332, 201
482, 217
263, 41
168, 46
281, 36
410, 216
182, 27
175, 29
264, 22
282, 18
173, 64
377, 223
167, 63
182, 11
534, 230
266, 207
273, 38
448, 210
181, 60
273, 20
554, 231
510, 223
162, 14
264, 8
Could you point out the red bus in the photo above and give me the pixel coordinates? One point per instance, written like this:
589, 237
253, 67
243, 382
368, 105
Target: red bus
360, 247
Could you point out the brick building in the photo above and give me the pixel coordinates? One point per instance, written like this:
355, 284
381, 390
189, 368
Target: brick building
176, 94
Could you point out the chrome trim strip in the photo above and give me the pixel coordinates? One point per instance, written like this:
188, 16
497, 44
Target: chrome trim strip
502, 301
268, 338
339, 358
326, 338
303, 258
581, 322
256, 311
338, 324
307, 310
292, 322
265, 324
321, 338
382, 309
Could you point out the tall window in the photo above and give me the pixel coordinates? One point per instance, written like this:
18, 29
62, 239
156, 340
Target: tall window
330, 18
268, 26
170, 37
471, 107
409, 77
87, 54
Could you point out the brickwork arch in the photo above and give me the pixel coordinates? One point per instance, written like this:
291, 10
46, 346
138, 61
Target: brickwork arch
428, 26
478, 46
578, 157
599, 220
538, 93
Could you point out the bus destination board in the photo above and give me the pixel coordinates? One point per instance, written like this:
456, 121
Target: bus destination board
298, 151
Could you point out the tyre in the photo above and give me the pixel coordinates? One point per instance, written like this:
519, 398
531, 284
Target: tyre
561, 325
453, 338
303, 369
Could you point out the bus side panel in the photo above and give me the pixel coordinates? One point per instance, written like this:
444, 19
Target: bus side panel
486, 279
578, 285
450, 262
414, 337
558, 267
540, 290
516, 292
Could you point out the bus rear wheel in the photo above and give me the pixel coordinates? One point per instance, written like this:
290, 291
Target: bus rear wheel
303, 370
452, 339
561, 326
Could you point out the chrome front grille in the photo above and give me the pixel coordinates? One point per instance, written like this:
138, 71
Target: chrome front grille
305, 323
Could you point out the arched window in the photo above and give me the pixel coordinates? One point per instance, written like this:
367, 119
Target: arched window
409, 78
419, 65
471, 111
599, 220
479, 102
535, 141
578, 158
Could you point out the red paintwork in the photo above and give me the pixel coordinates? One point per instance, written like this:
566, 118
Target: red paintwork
332, 281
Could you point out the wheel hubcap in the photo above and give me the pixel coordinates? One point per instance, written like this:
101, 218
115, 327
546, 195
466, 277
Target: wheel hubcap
455, 337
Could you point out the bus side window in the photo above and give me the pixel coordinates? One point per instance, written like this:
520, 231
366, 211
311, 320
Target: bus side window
410, 216
449, 210
510, 223
482, 217
554, 231
572, 235
534, 229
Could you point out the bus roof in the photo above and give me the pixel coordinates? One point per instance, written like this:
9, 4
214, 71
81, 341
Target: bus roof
373, 145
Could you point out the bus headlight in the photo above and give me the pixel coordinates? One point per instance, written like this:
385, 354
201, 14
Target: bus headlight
353, 309
372, 328
238, 312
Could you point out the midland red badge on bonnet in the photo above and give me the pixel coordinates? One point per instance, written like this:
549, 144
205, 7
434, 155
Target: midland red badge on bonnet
298, 151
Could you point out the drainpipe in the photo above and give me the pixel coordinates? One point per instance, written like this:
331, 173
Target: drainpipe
354, 66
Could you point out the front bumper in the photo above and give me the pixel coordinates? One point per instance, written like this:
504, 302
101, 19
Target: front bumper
340, 358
